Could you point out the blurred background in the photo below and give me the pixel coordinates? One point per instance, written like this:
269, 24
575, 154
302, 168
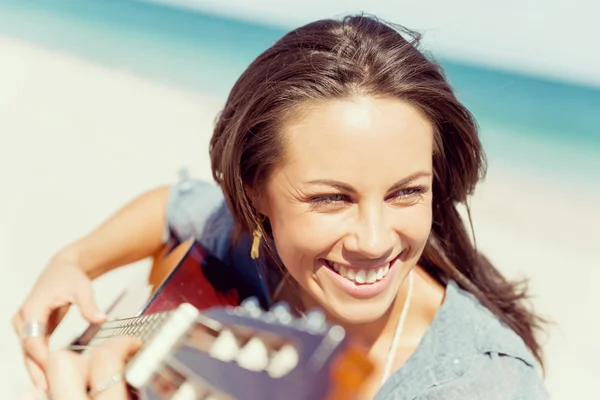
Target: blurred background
102, 100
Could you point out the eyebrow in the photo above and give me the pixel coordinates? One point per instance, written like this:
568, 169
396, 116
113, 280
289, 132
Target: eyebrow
348, 188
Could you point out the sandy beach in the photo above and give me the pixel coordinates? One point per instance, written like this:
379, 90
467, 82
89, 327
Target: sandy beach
79, 140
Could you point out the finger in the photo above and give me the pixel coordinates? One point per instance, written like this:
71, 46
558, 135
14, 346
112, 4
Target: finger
87, 304
67, 375
36, 353
16, 322
35, 349
106, 362
36, 373
34, 356
123, 346
56, 316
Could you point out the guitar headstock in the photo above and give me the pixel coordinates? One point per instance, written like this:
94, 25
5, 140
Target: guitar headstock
246, 353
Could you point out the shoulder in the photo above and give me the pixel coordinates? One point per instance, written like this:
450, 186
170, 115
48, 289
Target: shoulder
197, 209
467, 353
491, 376
496, 362
191, 202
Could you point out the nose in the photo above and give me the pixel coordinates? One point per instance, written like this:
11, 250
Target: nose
372, 236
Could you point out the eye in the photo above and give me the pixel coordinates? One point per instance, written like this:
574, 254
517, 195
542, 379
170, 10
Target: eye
408, 193
329, 199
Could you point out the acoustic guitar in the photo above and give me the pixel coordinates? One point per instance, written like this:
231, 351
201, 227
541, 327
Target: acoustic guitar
207, 337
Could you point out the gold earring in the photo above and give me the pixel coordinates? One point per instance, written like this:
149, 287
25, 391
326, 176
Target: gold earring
257, 236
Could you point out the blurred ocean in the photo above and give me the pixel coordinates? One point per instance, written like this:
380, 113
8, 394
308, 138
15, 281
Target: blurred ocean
530, 125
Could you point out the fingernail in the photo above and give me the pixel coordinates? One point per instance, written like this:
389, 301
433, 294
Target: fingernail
100, 315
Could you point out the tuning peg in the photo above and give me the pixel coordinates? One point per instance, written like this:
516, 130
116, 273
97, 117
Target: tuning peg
254, 356
315, 321
284, 360
252, 307
186, 391
250, 302
282, 313
226, 347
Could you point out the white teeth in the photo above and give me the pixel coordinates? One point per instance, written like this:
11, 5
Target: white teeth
351, 275
362, 276
372, 276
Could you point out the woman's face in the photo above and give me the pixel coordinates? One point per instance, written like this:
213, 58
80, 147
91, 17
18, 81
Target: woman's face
350, 202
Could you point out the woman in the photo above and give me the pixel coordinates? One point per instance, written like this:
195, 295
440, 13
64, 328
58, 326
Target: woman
341, 157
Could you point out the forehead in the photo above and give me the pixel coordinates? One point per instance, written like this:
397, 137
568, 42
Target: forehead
363, 135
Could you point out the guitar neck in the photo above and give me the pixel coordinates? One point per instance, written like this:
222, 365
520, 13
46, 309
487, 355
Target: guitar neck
142, 327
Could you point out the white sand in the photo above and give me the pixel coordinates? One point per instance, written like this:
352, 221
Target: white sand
78, 140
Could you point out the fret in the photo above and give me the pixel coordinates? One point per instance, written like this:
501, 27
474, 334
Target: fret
136, 326
142, 327
160, 343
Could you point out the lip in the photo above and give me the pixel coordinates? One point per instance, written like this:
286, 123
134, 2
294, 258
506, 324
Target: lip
358, 267
363, 291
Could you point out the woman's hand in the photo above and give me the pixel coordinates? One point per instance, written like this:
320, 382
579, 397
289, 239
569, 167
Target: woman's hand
70, 374
61, 284
67, 279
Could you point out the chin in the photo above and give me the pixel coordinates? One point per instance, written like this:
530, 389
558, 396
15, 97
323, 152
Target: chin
358, 311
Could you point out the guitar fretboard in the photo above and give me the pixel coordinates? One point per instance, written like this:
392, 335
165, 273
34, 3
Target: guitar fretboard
141, 327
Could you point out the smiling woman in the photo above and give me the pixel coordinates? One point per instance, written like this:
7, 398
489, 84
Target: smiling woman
341, 157
351, 198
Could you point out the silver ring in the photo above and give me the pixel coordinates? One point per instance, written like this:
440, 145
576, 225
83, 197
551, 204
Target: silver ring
33, 329
116, 378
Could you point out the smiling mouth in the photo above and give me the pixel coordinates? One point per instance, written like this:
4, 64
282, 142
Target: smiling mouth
361, 276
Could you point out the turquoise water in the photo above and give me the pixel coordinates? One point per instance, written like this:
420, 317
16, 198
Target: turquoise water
544, 125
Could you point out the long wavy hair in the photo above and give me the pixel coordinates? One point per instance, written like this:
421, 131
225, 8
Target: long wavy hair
361, 55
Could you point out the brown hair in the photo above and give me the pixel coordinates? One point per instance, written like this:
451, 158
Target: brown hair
360, 55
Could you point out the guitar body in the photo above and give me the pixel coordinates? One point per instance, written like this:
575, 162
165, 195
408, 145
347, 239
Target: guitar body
181, 273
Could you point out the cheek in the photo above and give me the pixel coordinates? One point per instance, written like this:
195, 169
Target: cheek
414, 226
303, 237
